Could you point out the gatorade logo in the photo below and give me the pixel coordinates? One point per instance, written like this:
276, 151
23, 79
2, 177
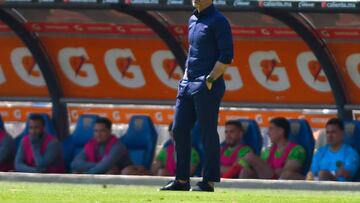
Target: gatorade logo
75, 114
268, 71
166, 68
120, 64
312, 73
353, 68
233, 79
17, 114
259, 119
26, 67
116, 115
2, 76
75, 64
159, 116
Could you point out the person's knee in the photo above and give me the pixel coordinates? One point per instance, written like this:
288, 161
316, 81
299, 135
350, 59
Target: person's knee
247, 173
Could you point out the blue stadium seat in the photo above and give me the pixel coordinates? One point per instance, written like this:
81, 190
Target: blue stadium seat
252, 135
83, 131
68, 152
75, 142
352, 137
49, 128
301, 134
141, 139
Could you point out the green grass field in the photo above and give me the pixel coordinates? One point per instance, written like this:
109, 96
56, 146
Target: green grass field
68, 193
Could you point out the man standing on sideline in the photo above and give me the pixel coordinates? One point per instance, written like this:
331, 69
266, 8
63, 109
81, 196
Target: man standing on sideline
200, 92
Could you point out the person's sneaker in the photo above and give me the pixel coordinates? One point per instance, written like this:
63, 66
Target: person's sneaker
175, 185
202, 187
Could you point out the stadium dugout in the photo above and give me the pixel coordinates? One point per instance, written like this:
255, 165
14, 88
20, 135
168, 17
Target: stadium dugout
288, 54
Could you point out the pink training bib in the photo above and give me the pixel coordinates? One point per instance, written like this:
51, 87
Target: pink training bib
91, 149
276, 163
57, 167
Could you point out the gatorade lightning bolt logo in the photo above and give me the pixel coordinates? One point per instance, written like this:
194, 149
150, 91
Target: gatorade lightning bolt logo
311, 72
315, 70
268, 70
122, 68
268, 67
30, 64
166, 68
77, 64
74, 61
170, 66
124, 65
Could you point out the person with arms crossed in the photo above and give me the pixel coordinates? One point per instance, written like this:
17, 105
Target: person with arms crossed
39, 152
103, 154
282, 160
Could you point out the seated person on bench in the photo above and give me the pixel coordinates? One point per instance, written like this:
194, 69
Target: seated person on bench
232, 151
165, 161
335, 161
283, 160
103, 154
39, 152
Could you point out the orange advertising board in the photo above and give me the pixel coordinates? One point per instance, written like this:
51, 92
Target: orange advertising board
115, 69
20, 76
348, 57
160, 116
20, 113
264, 71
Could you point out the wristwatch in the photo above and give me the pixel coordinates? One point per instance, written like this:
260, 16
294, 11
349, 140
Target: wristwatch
210, 79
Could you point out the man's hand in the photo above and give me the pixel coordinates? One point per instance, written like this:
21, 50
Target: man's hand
209, 85
341, 172
218, 70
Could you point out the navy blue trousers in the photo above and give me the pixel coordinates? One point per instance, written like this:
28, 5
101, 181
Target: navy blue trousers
196, 102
